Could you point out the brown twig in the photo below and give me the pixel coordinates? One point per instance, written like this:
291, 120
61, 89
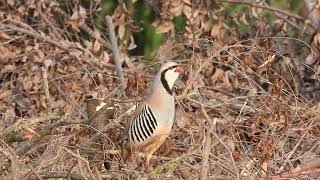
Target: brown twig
295, 174
207, 147
185, 172
72, 51
58, 174
14, 161
20, 124
81, 159
45, 132
48, 130
280, 11
230, 153
315, 163
116, 53
217, 137
288, 157
311, 10
291, 22
35, 35
46, 89
70, 48
171, 165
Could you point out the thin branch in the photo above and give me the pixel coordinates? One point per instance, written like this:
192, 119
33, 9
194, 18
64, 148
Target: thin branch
171, 165
58, 175
28, 122
116, 53
14, 161
295, 174
280, 11
315, 163
311, 10
207, 147
46, 89
66, 46
82, 159
48, 130
35, 35
185, 172
288, 157
230, 153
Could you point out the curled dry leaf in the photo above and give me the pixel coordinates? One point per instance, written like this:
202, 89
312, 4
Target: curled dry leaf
265, 149
269, 61
5, 36
132, 44
164, 27
96, 34
218, 75
182, 120
218, 32
119, 16
187, 10
316, 40
5, 94
121, 31
77, 18
104, 57
96, 46
8, 68
27, 83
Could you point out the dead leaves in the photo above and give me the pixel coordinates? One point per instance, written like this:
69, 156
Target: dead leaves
163, 27
122, 21
77, 18
196, 16
218, 32
136, 86
265, 149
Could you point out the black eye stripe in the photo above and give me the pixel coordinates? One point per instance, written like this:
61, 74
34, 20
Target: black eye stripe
172, 67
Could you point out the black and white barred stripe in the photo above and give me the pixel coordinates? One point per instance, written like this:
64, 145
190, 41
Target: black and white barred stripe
143, 126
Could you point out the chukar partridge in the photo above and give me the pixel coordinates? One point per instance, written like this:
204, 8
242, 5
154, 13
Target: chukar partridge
154, 118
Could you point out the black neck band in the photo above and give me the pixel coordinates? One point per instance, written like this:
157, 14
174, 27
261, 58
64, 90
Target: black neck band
165, 82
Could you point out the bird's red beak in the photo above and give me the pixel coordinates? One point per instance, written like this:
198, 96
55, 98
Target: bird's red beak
179, 69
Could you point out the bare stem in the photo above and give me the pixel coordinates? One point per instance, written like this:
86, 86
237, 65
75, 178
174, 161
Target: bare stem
46, 89
207, 147
116, 53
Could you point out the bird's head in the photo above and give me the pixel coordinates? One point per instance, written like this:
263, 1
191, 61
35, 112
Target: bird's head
169, 73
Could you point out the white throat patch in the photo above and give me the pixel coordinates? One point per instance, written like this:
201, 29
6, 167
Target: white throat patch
171, 77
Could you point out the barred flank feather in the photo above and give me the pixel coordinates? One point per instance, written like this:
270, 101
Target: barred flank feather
143, 126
